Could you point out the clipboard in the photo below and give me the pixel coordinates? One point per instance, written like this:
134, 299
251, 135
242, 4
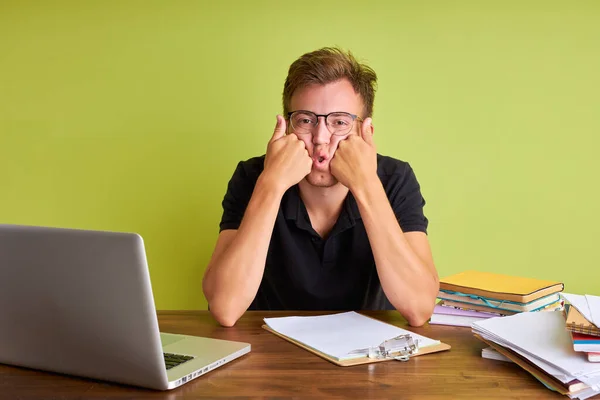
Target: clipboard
359, 360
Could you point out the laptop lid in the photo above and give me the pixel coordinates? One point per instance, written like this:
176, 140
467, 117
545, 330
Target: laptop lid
79, 302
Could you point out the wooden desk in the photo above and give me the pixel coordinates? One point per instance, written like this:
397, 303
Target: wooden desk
277, 368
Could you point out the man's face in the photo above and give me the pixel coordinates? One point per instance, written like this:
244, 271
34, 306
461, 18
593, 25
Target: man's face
321, 143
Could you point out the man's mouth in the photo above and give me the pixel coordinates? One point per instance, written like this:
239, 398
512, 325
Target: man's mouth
320, 162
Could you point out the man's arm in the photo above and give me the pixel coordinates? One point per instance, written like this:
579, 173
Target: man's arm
404, 260
234, 273
236, 267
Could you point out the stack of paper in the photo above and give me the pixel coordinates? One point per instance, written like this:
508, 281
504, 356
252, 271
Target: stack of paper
498, 293
583, 321
539, 343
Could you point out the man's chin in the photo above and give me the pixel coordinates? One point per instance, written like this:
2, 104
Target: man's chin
321, 179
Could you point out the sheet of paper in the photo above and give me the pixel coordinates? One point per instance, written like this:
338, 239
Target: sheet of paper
339, 334
594, 307
543, 335
580, 303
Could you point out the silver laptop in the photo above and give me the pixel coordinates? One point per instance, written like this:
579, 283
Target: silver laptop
79, 302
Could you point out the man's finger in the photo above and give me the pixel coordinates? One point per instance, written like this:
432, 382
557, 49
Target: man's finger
280, 127
366, 131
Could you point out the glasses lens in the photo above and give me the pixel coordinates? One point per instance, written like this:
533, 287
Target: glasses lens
339, 123
303, 121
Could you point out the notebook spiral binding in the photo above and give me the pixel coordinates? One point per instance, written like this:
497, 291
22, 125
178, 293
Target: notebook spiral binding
584, 329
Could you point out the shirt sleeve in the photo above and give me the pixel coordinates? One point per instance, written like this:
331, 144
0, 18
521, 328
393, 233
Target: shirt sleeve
404, 193
239, 191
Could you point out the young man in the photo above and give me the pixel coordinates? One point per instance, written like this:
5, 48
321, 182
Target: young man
323, 222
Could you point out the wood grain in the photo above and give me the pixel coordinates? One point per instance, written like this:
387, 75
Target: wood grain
276, 368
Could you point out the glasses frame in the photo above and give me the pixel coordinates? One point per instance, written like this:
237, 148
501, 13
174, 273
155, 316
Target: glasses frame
354, 118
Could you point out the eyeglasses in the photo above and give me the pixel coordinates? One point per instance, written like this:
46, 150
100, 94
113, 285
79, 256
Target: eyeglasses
338, 123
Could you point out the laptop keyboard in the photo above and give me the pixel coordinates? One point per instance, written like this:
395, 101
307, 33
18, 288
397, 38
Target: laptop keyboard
172, 360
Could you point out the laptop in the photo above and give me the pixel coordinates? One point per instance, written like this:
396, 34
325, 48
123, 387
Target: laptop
80, 303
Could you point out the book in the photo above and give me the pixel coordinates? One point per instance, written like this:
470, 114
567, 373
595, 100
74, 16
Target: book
474, 307
500, 286
346, 338
576, 322
594, 357
557, 306
585, 343
500, 304
457, 317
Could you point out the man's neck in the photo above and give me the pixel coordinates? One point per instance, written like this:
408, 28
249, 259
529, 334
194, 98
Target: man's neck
323, 204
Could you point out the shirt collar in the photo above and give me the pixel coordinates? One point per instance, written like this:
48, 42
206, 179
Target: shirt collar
294, 209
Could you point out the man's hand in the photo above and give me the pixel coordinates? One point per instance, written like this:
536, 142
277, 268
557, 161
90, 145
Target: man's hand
287, 161
354, 164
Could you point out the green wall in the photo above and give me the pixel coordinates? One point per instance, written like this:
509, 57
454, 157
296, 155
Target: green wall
132, 116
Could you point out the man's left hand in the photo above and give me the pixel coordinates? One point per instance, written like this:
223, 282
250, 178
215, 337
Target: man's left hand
354, 164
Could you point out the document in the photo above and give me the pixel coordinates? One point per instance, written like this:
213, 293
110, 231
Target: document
594, 306
337, 335
580, 302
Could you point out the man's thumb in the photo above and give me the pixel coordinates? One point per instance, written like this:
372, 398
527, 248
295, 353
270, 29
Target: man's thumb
367, 130
280, 127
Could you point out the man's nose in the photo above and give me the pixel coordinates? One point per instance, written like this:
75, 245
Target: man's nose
321, 134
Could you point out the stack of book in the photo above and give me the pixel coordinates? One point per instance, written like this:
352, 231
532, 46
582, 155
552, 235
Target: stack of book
474, 295
583, 322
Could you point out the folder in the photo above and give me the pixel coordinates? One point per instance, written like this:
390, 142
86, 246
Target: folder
569, 388
576, 322
500, 287
310, 333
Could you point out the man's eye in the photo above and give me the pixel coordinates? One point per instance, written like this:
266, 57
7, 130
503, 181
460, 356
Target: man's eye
305, 121
340, 122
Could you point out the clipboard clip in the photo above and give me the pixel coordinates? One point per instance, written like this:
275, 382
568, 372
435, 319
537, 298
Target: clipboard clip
400, 348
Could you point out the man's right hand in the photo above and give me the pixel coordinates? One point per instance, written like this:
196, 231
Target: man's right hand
287, 161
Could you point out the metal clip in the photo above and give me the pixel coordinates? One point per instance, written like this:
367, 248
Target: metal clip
399, 348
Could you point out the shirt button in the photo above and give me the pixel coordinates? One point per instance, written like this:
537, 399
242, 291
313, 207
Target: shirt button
314, 239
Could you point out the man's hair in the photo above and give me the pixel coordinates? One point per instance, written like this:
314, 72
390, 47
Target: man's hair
327, 65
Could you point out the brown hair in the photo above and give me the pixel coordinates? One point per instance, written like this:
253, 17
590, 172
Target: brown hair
328, 65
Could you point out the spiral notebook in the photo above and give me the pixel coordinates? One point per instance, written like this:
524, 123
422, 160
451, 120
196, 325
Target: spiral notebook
583, 314
576, 322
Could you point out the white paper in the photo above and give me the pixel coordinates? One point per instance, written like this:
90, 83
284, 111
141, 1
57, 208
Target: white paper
543, 335
339, 334
594, 307
580, 303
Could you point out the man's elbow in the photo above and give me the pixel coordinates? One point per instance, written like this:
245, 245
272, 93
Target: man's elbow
225, 318
226, 313
417, 314
225, 321
418, 320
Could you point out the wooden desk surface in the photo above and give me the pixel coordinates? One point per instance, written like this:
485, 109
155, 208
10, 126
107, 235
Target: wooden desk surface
277, 368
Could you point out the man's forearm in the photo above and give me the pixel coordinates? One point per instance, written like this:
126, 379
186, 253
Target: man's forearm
232, 280
408, 281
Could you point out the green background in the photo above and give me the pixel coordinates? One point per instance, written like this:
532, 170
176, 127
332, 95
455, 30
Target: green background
132, 116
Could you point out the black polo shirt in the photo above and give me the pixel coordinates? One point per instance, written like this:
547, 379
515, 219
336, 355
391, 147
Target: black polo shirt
306, 272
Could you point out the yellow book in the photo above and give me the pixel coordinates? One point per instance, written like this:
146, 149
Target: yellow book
499, 286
